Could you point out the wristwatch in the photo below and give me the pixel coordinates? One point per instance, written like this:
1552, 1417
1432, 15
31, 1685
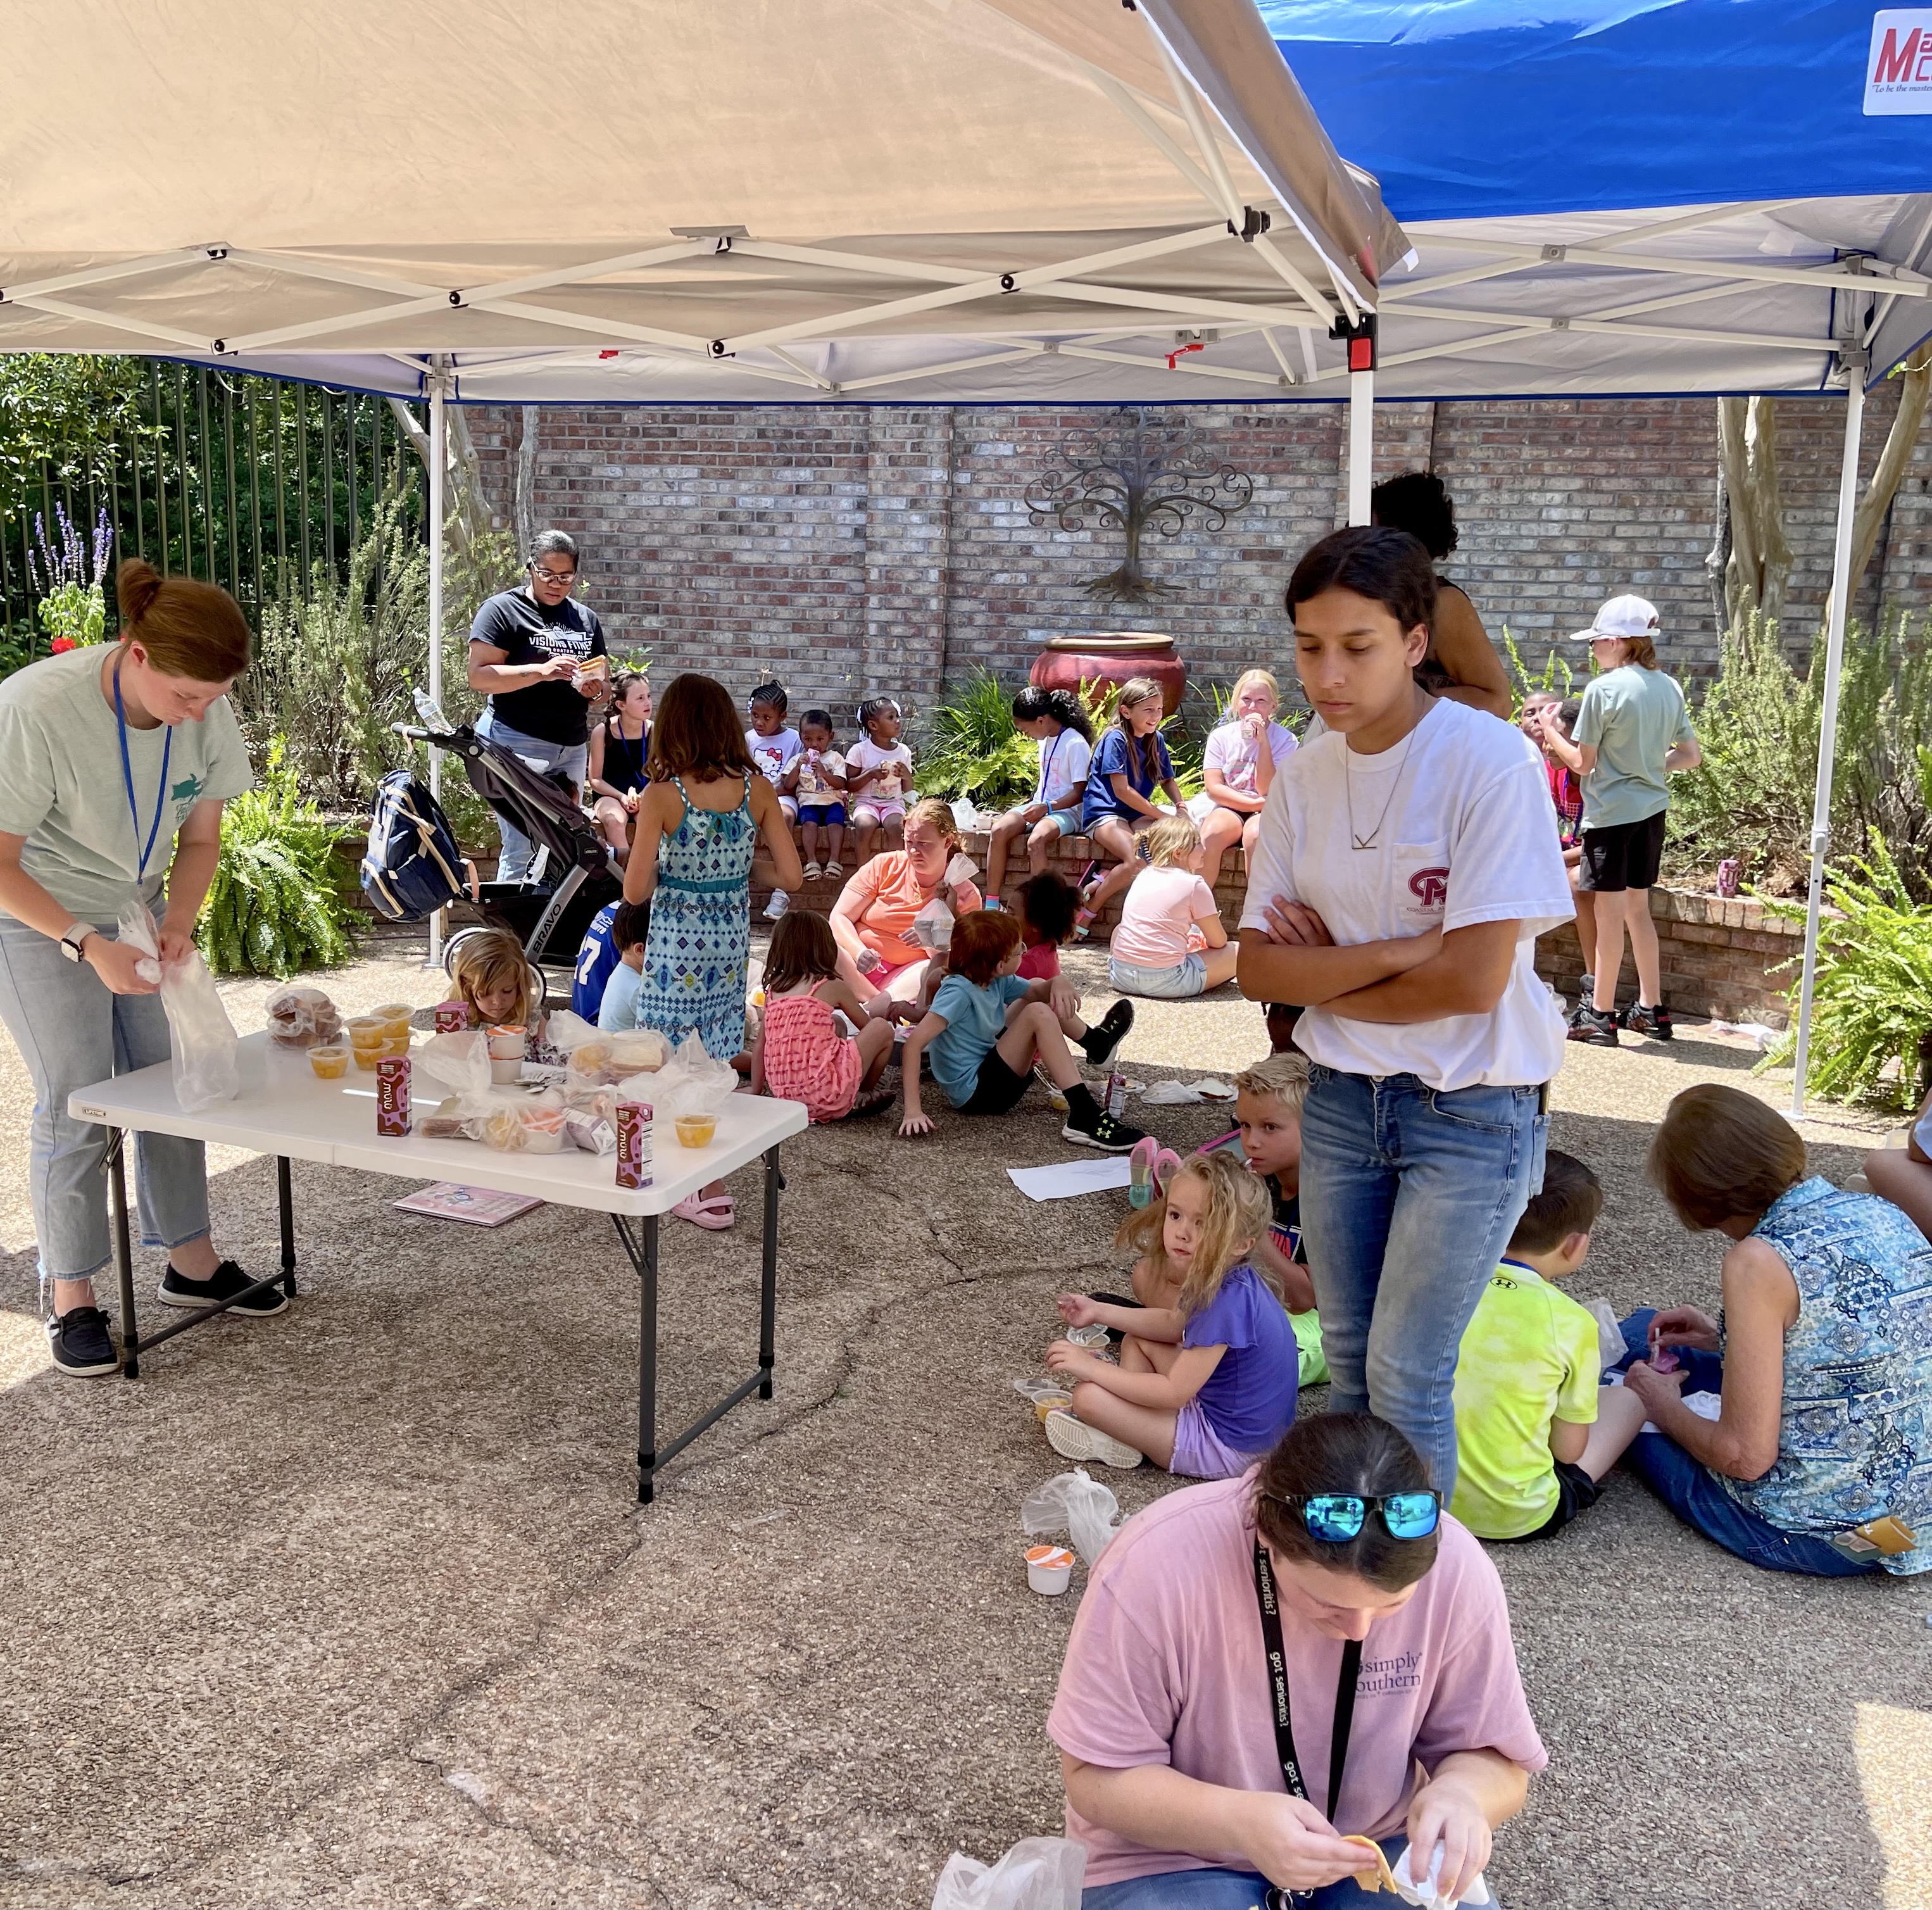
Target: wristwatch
73, 943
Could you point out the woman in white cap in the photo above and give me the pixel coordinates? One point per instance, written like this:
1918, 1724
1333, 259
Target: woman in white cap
1633, 730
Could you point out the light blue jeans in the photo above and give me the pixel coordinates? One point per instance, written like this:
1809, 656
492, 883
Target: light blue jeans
1409, 1198
1227, 1889
72, 1033
573, 759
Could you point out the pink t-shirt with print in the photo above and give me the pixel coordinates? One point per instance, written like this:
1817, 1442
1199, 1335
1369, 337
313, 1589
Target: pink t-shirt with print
1160, 908
1166, 1666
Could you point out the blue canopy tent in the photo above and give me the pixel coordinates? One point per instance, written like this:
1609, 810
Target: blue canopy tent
1757, 170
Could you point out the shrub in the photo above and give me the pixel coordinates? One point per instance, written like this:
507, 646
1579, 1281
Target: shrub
277, 902
1556, 676
1872, 1002
970, 748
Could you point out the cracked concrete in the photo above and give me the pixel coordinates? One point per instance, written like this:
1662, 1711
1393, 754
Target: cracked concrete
353, 1607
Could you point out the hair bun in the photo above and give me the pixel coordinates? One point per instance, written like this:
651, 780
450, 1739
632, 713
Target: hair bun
137, 584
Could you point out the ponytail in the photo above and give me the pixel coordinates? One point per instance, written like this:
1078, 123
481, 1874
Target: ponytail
188, 630
1032, 703
1134, 691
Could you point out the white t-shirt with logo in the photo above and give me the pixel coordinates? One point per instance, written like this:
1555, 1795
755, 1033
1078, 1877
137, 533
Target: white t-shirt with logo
1466, 838
773, 754
892, 787
1063, 763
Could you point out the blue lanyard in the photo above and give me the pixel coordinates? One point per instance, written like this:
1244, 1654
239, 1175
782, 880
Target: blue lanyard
127, 778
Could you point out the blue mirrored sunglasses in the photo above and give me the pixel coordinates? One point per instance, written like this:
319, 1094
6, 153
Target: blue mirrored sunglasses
1336, 1517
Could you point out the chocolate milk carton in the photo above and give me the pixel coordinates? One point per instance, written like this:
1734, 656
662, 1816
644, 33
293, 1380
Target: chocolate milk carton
392, 1095
634, 1143
452, 1017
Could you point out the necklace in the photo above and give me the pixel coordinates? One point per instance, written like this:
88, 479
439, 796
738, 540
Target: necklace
1369, 841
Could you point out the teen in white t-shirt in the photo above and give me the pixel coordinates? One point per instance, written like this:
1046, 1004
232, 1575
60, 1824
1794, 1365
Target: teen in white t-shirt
1059, 726
1405, 866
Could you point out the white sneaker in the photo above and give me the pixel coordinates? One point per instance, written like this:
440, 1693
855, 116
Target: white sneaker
812, 871
1073, 1438
777, 905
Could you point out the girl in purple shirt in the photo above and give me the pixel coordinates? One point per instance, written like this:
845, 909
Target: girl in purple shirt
1206, 1381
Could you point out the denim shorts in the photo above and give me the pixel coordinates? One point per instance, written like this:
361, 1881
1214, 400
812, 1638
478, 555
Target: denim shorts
1187, 977
1067, 821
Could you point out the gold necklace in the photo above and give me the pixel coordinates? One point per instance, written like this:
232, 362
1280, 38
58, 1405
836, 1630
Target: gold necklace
1368, 841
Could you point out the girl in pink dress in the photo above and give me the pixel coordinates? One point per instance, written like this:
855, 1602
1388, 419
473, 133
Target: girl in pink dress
800, 1055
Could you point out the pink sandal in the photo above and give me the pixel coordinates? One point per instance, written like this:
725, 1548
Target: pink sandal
714, 1214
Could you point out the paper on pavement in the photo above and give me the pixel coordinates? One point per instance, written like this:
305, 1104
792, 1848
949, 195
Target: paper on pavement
1061, 1180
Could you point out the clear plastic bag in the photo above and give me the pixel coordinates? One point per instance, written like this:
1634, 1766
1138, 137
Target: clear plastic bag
303, 1018
932, 927
459, 1062
1082, 1507
690, 1082
1038, 1873
1610, 1347
205, 1048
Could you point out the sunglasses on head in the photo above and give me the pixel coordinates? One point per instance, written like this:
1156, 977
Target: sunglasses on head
1336, 1517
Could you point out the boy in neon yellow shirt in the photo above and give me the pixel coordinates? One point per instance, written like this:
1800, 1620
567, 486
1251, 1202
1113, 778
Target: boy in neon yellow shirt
1535, 1431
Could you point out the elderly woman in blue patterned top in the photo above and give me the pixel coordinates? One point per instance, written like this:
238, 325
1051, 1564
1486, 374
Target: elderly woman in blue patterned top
1823, 1356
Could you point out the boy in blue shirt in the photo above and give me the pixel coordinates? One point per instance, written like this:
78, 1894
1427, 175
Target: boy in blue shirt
986, 1027
629, 930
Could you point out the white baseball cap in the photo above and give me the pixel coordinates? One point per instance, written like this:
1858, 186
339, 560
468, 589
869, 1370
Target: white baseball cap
1620, 617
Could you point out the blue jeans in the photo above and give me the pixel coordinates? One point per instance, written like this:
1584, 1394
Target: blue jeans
1225, 1890
571, 759
72, 1033
1409, 1198
1692, 1491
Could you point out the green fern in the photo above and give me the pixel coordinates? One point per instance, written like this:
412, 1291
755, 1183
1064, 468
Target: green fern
277, 903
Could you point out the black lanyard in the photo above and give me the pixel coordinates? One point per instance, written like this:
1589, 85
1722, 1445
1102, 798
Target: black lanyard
1284, 1729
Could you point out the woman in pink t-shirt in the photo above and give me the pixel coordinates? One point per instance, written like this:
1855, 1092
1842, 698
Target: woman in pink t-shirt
1333, 1559
1153, 952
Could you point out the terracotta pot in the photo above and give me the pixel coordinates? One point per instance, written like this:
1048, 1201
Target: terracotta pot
1100, 656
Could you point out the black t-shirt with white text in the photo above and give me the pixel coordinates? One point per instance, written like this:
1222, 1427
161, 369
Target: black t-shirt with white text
527, 632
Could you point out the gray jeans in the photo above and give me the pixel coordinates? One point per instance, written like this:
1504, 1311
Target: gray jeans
546, 759
71, 1032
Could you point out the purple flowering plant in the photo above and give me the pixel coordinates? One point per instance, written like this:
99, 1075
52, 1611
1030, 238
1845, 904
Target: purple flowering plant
71, 574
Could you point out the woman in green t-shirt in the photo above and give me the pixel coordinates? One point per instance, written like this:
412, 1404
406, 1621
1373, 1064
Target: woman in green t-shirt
115, 761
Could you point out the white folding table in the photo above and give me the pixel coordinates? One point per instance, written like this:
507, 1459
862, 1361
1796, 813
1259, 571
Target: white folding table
283, 1110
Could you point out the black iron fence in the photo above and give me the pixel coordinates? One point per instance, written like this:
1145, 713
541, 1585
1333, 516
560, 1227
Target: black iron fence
259, 484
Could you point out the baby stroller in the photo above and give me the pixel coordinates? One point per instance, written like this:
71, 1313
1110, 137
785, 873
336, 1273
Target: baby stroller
574, 873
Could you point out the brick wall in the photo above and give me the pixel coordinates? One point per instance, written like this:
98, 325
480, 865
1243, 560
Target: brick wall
850, 549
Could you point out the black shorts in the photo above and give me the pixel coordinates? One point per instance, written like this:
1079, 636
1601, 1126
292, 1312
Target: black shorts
1576, 1492
1626, 857
997, 1089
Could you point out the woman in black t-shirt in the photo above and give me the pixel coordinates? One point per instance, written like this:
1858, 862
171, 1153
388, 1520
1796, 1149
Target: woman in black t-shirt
534, 652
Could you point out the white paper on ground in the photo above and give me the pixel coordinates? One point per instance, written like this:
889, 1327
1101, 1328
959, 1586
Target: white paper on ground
1426, 1894
1061, 1180
1705, 1405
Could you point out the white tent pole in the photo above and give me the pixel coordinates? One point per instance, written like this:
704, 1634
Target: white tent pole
1853, 360
1361, 443
438, 450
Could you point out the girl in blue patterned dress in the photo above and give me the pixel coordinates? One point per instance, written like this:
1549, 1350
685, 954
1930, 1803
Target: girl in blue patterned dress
700, 820
1822, 1356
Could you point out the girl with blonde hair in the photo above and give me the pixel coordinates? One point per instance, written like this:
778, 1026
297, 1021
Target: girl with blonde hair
1153, 952
1238, 763
1206, 1381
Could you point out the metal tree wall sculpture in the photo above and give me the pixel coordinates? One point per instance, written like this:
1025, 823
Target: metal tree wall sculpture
1143, 474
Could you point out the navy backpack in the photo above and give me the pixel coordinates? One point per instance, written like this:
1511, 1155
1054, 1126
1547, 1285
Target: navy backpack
413, 866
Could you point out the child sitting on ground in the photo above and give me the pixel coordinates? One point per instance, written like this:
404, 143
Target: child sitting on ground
878, 773
799, 1054
629, 930
1535, 1431
986, 1027
816, 782
1047, 903
1267, 1135
1206, 1381
1150, 954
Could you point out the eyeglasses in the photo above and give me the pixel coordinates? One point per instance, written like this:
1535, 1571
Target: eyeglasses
543, 576
1336, 1517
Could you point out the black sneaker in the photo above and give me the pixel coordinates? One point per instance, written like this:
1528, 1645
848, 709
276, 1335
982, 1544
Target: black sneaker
1102, 1042
1091, 1126
82, 1344
1654, 1022
178, 1290
1599, 1031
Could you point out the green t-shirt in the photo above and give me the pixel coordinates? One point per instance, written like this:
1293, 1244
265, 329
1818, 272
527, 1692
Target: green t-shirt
1530, 1356
1631, 716
61, 786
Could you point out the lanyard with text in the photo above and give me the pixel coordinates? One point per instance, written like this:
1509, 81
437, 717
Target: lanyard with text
1284, 1729
127, 778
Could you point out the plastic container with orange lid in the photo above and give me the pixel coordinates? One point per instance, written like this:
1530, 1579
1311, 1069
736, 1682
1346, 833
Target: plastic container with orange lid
1049, 1569
331, 1063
